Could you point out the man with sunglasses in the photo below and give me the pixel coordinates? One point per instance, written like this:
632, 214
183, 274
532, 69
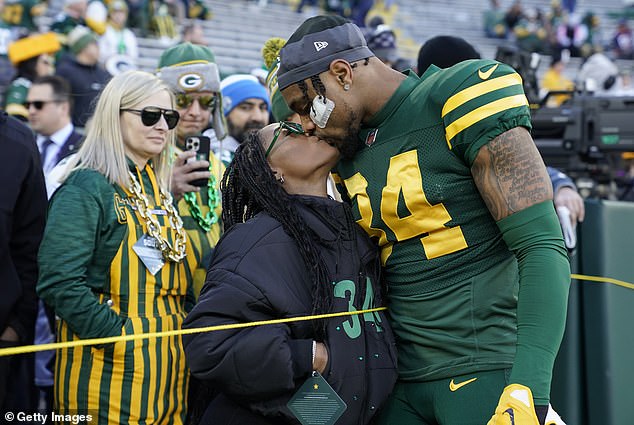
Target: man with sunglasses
192, 74
49, 104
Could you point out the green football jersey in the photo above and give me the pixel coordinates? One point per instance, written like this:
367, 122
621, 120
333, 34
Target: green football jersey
21, 13
411, 189
15, 97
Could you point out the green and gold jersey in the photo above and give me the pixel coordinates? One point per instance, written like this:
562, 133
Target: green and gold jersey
411, 189
21, 13
202, 210
16, 96
92, 275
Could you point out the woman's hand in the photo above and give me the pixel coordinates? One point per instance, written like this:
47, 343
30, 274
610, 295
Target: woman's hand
321, 357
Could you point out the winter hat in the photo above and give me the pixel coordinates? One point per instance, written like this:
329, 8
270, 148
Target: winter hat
444, 51
187, 68
79, 38
240, 87
271, 56
382, 42
33, 46
185, 53
315, 44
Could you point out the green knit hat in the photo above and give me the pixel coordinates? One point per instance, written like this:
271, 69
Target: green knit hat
271, 56
185, 54
79, 38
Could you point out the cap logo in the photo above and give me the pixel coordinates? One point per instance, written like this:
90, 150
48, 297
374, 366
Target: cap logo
191, 81
320, 45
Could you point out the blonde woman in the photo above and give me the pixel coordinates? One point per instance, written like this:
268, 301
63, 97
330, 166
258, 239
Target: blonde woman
115, 261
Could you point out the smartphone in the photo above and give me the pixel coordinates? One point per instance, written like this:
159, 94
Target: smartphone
201, 145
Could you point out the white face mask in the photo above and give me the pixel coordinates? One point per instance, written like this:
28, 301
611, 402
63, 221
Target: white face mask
321, 110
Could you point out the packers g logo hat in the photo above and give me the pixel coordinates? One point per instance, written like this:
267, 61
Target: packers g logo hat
190, 81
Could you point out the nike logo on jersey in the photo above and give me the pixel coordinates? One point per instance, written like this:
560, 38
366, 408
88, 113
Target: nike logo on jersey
486, 74
319, 45
455, 387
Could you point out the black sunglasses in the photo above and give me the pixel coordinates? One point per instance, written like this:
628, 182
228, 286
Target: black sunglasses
150, 115
39, 104
184, 101
292, 127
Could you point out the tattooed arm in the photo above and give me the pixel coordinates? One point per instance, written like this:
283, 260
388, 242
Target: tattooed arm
515, 186
510, 174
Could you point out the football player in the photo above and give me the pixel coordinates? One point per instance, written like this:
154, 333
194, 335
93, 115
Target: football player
442, 171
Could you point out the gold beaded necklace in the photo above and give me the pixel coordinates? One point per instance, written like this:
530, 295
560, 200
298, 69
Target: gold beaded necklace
174, 253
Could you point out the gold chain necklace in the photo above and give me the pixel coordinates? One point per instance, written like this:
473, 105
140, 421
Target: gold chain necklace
172, 253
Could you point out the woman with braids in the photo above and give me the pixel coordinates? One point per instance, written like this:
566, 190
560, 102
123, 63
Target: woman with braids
289, 251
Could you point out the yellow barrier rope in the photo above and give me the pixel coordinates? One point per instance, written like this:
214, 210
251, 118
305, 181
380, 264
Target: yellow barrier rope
95, 341
603, 279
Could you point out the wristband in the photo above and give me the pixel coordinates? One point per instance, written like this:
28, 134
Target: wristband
314, 352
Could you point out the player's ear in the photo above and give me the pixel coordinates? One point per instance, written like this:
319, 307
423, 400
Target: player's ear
342, 71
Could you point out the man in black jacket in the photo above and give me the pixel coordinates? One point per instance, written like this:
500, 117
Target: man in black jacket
22, 218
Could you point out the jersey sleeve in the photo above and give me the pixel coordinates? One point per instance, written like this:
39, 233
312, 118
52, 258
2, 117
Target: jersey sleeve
483, 99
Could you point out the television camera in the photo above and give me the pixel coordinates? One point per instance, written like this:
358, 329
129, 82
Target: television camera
585, 137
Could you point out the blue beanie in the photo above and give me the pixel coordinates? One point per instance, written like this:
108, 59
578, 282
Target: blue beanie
240, 87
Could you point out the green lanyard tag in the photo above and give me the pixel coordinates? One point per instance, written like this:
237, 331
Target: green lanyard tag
316, 403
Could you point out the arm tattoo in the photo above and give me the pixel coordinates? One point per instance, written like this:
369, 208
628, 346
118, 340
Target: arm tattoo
510, 174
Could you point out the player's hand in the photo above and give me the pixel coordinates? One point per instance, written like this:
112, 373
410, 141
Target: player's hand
516, 408
183, 173
569, 198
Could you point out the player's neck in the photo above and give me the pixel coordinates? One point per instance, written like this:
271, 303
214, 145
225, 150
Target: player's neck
390, 80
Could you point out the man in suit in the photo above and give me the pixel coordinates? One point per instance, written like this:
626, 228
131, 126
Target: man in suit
49, 104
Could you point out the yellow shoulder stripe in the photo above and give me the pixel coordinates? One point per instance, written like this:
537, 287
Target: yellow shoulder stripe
483, 112
479, 89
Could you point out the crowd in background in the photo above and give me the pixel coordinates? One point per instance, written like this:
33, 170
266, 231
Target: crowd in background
53, 75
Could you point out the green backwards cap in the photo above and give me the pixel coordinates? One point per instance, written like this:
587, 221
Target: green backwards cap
270, 54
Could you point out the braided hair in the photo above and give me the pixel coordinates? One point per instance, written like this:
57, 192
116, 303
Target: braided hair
248, 187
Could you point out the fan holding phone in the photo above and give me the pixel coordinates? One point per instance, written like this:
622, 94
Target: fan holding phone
191, 73
201, 146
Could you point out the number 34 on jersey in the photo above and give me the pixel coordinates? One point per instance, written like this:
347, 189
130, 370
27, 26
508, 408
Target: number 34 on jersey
404, 186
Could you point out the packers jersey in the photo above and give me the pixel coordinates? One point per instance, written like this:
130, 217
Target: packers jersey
203, 241
21, 13
452, 282
15, 97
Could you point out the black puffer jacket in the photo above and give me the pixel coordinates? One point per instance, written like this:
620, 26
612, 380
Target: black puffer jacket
257, 273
